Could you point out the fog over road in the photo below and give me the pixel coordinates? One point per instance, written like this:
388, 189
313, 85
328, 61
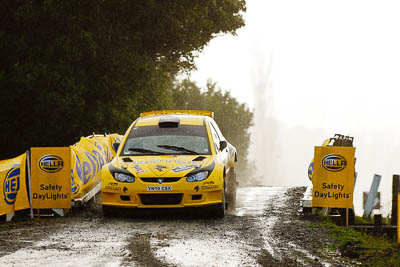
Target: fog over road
262, 230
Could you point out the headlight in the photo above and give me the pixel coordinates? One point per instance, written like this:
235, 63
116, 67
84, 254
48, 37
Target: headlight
122, 177
200, 176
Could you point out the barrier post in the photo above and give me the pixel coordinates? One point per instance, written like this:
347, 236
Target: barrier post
28, 165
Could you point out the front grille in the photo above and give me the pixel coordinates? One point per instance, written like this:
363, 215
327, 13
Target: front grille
164, 179
161, 199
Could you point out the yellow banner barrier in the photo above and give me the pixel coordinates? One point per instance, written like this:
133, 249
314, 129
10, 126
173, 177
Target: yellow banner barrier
13, 192
87, 158
50, 169
111, 139
333, 177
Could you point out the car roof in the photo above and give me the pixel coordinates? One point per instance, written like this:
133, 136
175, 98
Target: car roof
178, 111
186, 117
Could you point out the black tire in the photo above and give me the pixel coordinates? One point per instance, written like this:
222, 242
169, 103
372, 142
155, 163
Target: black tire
218, 210
231, 194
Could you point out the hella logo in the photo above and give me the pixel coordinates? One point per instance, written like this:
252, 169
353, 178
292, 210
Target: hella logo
51, 163
11, 184
334, 162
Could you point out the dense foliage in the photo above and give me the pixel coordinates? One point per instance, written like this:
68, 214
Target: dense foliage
70, 68
233, 118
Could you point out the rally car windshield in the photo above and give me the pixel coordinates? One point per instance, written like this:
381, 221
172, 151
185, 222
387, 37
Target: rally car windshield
153, 140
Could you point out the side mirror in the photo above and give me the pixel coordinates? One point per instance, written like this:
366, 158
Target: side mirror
115, 146
223, 145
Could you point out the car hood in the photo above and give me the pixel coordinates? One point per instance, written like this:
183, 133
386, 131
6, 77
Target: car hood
163, 166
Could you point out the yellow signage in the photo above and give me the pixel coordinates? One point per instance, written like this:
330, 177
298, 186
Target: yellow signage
13, 192
333, 177
51, 177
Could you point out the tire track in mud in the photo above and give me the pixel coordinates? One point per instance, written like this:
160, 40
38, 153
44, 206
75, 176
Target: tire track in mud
88, 239
282, 215
141, 252
262, 220
207, 242
240, 239
261, 231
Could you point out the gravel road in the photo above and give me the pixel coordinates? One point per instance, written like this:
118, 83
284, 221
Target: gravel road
264, 229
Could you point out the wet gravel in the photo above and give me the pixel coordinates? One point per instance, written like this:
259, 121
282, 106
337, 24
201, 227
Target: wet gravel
264, 229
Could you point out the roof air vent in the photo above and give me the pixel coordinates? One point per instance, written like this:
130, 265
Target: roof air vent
168, 122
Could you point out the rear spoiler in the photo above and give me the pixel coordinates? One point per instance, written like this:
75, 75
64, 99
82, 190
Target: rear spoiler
188, 111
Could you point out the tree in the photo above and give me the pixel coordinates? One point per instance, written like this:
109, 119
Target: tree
233, 118
70, 68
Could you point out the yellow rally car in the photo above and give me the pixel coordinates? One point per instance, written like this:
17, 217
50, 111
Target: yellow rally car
171, 159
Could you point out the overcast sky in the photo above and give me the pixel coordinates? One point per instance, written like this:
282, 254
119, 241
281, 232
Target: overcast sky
325, 66
317, 52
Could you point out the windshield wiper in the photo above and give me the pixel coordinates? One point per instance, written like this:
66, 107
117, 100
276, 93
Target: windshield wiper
179, 148
142, 150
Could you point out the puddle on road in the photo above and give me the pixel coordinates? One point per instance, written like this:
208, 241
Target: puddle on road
195, 252
251, 201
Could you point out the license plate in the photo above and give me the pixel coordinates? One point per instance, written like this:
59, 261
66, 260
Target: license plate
159, 188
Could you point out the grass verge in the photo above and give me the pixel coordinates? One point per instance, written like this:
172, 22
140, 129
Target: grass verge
367, 249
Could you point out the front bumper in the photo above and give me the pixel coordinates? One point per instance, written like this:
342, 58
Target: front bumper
178, 194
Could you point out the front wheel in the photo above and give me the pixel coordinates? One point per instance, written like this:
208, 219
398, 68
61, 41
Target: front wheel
232, 188
219, 209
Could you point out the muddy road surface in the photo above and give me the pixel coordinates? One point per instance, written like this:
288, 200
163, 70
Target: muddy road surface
264, 229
